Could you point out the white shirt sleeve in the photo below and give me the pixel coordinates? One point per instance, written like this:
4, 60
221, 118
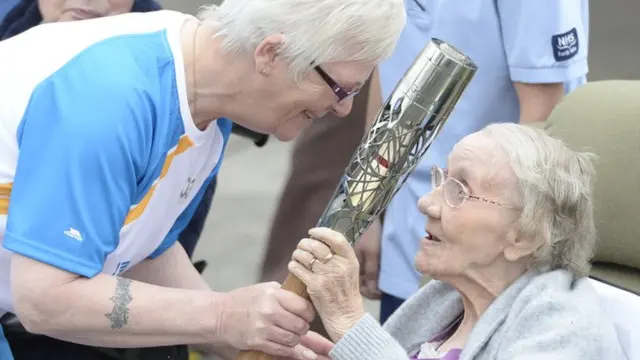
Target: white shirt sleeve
545, 41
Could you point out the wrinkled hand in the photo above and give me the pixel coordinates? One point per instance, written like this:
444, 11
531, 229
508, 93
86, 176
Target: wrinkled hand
368, 253
332, 279
266, 318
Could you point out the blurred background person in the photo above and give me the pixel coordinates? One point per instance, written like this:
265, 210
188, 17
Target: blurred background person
6, 6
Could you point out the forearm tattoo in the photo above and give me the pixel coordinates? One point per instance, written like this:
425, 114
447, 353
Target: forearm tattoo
119, 316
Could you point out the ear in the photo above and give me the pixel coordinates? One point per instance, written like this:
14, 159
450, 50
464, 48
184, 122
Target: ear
267, 52
519, 247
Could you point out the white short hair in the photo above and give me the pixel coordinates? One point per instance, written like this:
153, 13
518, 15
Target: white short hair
317, 31
555, 193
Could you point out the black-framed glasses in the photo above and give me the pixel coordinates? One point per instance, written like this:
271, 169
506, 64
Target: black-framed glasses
341, 93
455, 192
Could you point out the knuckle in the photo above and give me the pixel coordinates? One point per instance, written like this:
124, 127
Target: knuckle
267, 312
301, 327
294, 326
290, 339
294, 340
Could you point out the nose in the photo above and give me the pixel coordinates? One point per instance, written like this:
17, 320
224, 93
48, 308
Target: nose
430, 204
343, 108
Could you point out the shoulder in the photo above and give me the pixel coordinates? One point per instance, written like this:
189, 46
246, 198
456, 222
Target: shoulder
556, 312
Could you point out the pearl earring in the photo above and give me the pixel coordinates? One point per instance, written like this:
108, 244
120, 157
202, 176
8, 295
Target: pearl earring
263, 71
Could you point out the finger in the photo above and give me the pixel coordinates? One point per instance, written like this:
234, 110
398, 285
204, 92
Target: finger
275, 349
301, 272
317, 248
371, 294
365, 292
334, 240
302, 353
303, 257
298, 306
283, 337
317, 343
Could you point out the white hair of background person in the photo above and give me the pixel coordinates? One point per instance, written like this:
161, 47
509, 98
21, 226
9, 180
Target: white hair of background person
557, 205
317, 31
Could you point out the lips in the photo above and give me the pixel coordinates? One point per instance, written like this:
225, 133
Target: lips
430, 238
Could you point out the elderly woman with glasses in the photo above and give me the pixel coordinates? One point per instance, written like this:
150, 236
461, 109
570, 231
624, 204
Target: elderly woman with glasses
127, 118
508, 239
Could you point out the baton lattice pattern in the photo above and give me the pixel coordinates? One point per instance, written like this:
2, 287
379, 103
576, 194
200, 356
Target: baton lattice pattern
388, 153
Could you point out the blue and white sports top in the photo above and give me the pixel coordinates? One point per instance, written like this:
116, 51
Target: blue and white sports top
101, 165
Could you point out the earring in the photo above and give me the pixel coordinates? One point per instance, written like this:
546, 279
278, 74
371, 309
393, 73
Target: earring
263, 71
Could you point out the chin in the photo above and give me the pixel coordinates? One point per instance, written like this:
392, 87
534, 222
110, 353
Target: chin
421, 263
285, 137
429, 265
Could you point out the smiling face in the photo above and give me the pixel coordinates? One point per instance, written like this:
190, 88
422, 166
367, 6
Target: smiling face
284, 108
479, 236
70, 10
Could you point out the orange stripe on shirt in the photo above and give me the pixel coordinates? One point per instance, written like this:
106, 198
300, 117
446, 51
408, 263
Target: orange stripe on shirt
5, 193
183, 144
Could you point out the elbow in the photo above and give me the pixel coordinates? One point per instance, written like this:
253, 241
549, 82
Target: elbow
37, 293
31, 309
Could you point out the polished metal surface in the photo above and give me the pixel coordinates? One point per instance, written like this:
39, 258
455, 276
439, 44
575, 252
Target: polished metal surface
402, 132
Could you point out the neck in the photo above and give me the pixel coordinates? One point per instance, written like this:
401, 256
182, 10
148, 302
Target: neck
212, 78
479, 288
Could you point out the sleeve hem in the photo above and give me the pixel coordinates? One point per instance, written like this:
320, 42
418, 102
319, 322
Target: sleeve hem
367, 337
550, 74
161, 250
28, 248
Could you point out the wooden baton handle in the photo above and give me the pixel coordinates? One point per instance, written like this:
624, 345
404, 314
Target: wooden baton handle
296, 286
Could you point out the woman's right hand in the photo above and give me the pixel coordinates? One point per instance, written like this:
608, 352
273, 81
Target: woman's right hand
328, 266
266, 318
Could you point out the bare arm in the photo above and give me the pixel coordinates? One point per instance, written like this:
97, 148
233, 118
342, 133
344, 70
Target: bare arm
174, 269
537, 100
110, 311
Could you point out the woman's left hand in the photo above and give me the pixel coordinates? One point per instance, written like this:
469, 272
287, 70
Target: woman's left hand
328, 266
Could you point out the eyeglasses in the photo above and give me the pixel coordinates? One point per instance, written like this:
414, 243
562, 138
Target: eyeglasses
455, 192
341, 93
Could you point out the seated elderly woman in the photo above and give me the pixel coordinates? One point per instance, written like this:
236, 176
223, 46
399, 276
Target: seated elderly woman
509, 236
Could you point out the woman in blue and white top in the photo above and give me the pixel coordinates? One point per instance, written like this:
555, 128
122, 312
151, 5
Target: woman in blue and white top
111, 128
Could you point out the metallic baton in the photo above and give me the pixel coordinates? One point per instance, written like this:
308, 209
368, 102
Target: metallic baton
402, 132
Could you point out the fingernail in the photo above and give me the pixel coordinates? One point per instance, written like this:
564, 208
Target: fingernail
308, 354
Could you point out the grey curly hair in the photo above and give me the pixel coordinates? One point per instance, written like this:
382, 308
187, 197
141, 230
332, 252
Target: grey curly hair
554, 193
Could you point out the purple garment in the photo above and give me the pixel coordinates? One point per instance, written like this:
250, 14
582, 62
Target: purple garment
453, 354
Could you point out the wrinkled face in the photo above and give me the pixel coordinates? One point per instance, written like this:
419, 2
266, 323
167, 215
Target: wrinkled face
284, 108
70, 10
478, 235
